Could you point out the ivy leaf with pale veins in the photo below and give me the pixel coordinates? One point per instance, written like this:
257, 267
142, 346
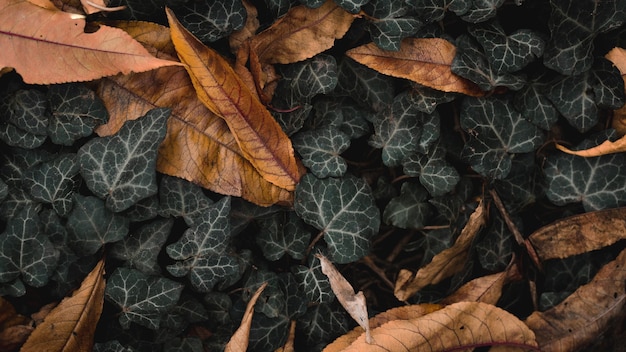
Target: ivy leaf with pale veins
91, 225
535, 106
390, 23
372, 87
25, 251
322, 324
481, 10
344, 209
321, 150
213, 20
272, 301
573, 27
434, 172
180, 197
76, 111
434, 10
53, 182
283, 233
409, 210
508, 53
301, 81
496, 131
426, 99
313, 282
122, 168
27, 109
353, 6
495, 250
202, 252
142, 298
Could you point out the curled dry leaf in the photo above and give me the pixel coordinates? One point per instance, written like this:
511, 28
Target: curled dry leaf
260, 138
580, 234
239, 340
237, 38
586, 313
486, 289
58, 50
71, 325
618, 57
606, 147
444, 264
14, 328
426, 61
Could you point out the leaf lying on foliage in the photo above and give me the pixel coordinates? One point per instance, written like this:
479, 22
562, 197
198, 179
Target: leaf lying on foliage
239, 340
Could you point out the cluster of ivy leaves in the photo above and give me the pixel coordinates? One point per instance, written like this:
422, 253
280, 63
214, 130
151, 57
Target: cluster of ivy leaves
387, 160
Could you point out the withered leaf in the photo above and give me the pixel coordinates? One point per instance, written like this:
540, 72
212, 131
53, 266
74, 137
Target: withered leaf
618, 57
58, 50
239, 340
14, 328
260, 138
237, 38
425, 61
486, 289
606, 147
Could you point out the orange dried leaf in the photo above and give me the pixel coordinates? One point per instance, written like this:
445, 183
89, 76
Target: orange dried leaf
607, 147
425, 61
71, 325
58, 50
14, 328
585, 314
282, 43
260, 138
486, 289
239, 340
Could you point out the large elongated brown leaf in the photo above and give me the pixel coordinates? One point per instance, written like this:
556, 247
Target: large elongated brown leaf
239, 340
49, 46
426, 61
261, 139
198, 146
70, 326
586, 313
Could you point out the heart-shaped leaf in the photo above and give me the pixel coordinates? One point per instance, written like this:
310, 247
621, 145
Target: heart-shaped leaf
409, 210
141, 248
390, 24
320, 150
283, 233
179, 197
313, 282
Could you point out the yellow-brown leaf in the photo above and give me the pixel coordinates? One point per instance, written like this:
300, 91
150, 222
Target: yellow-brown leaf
606, 147
260, 138
58, 50
426, 61
239, 340
486, 289
618, 57
14, 328
71, 325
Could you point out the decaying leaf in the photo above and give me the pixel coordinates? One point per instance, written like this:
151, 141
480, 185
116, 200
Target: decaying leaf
354, 303
586, 313
237, 38
444, 264
14, 328
607, 147
71, 325
239, 340
486, 289
579, 234
261, 139
426, 61
58, 50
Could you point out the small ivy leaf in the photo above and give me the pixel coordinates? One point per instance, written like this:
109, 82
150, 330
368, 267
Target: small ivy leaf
302, 81
312, 3
27, 109
266, 334
141, 248
14, 289
481, 10
409, 210
426, 99
434, 172
372, 87
111, 346
76, 111
122, 168
145, 209
242, 213
91, 225
496, 131
283, 233
321, 324
15, 201
296, 302
522, 186
272, 300
54, 182
34, 265
448, 207
313, 282
342, 114
213, 20
218, 306
573, 28
4, 190
182, 198
355, 123
607, 84
293, 121
344, 209
18, 160
142, 298
279, 8
495, 250
384, 190
508, 53
320, 150
434, 10
201, 253
352, 6
389, 23
17, 137
535, 105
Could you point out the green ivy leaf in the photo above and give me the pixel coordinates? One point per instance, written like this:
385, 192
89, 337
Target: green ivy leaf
17, 160
495, 250
535, 106
344, 209
202, 252
4, 190
523, 185
141, 248
573, 27
111, 346
15, 288
145, 209
389, 23
481, 10
426, 99
434, 10
283, 233
25, 251
342, 114
353, 6
321, 324
296, 302
242, 213
373, 88
15, 201
187, 344
142, 298
122, 168
16, 137
76, 111
267, 334
320, 150
312, 3
434, 172
313, 282
91, 225
409, 210
27, 109
496, 132
272, 300
301, 81
54, 182
213, 20
182, 198
218, 306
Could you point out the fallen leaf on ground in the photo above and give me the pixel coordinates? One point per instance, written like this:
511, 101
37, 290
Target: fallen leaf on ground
425, 61
444, 264
486, 289
14, 328
606, 147
586, 313
59, 51
579, 234
237, 38
71, 325
239, 340
260, 138
618, 57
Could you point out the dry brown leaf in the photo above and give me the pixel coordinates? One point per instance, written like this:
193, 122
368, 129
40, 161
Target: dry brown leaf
198, 146
260, 138
14, 328
586, 313
71, 325
606, 147
618, 57
486, 289
579, 234
282, 43
59, 51
237, 38
239, 341
289, 345
426, 61
444, 264
457, 327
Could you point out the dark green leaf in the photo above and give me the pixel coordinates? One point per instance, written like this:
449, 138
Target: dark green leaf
426, 99
522, 186
122, 168
344, 209
302, 81
320, 150
16, 200
321, 324
141, 248
409, 210
535, 106
372, 88
16, 137
4, 190
283, 233
17, 160
313, 3
296, 301
27, 110
218, 306
495, 250
434, 10
434, 172
187, 344
272, 300
182, 198
353, 6
292, 121
145, 209
313, 282
242, 213
390, 24
482, 10
267, 334
15, 288
212, 20
111, 346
